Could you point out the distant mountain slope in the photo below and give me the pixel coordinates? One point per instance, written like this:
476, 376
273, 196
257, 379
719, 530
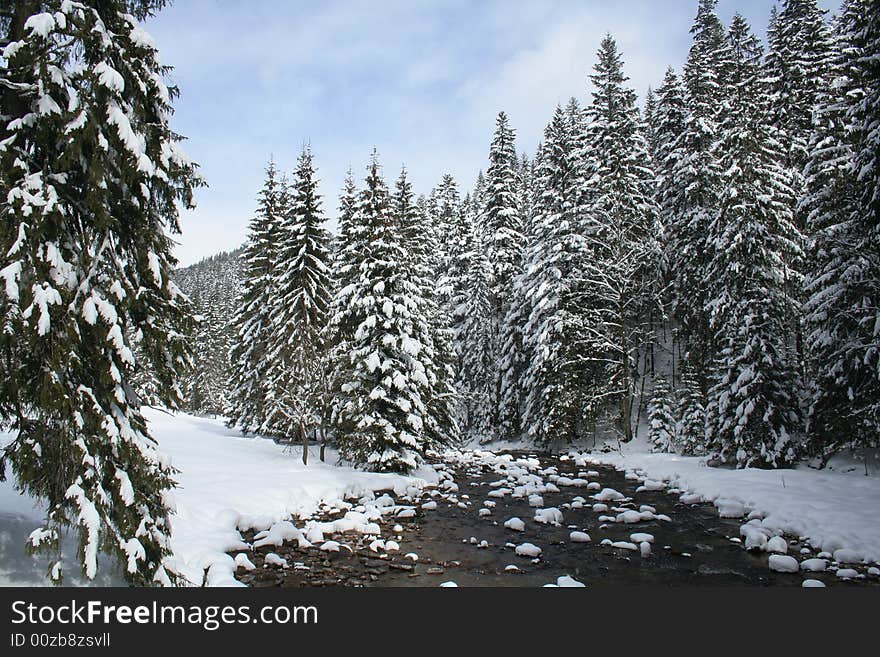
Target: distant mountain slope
212, 284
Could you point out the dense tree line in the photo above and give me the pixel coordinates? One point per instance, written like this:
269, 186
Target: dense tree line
703, 270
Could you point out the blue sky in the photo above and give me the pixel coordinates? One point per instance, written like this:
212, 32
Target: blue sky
421, 81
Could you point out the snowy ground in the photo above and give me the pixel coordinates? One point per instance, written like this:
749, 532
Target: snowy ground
226, 482
833, 509
229, 482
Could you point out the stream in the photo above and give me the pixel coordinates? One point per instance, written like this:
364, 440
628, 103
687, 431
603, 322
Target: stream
690, 545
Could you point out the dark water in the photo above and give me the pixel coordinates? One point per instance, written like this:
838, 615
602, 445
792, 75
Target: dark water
692, 549
19, 516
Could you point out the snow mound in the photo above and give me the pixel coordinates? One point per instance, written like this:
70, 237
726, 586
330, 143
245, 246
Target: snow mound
783, 563
549, 516
566, 581
609, 495
273, 559
814, 565
528, 550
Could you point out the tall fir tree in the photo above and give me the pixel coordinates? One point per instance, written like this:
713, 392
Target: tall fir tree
91, 175
622, 235
797, 68
252, 324
692, 186
300, 303
550, 286
450, 233
477, 371
381, 357
436, 349
841, 209
668, 119
501, 227
753, 405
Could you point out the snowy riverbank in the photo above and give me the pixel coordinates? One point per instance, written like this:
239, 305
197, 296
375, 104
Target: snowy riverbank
832, 509
229, 482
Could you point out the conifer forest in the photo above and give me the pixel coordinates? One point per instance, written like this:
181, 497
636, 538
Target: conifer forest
678, 287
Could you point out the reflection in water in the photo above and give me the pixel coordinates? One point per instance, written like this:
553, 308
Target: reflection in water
19, 516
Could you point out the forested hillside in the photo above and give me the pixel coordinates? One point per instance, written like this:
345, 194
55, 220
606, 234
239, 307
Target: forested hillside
212, 286
702, 268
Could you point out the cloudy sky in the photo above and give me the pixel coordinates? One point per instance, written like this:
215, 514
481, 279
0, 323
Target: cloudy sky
421, 81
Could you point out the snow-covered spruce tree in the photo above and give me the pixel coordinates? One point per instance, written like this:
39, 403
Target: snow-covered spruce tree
478, 195
797, 65
501, 227
661, 421
436, 351
550, 285
648, 119
753, 403
843, 257
416, 233
382, 357
621, 230
476, 376
248, 386
456, 284
300, 302
512, 359
668, 119
690, 415
692, 186
347, 205
526, 193
450, 233
90, 178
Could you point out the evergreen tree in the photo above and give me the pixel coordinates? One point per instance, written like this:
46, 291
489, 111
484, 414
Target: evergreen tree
248, 387
690, 415
621, 231
841, 208
213, 287
91, 175
692, 186
298, 312
648, 118
753, 407
456, 284
661, 423
382, 358
436, 350
347, 205
416, 232
476, 380
668, 120
501, 226
450, 232
550, 286
797, 66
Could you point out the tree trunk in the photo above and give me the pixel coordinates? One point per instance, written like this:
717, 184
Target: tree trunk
305, 442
